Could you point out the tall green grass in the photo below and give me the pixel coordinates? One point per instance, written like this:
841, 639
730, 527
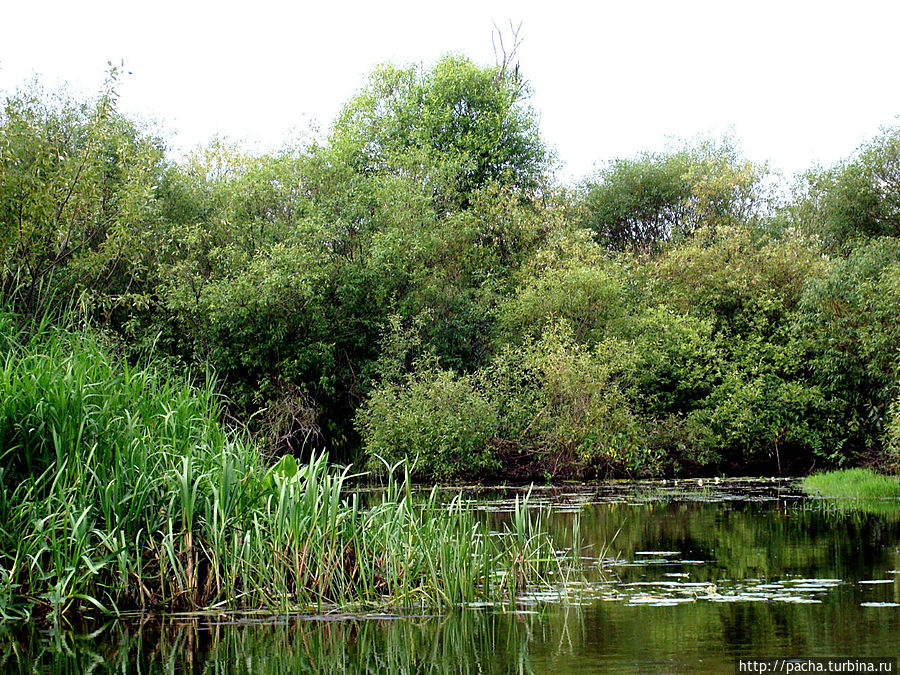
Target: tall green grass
853, 484
120, 489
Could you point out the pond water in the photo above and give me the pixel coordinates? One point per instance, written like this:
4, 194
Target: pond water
677, 577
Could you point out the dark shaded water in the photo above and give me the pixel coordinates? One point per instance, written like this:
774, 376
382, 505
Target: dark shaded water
696, 576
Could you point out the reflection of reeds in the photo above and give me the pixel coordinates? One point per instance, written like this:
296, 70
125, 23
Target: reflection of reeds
888, 508
458, 642
856, 491
120, 489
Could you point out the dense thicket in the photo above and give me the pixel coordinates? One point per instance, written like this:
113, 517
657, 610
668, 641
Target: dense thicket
415, 283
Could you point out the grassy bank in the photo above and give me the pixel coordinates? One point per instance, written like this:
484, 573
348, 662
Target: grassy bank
120, 489
853, 484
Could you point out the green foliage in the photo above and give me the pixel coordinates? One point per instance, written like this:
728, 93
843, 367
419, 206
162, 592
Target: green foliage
64, 397
263, 318
457, 268
668, 362
103, 465
892, 435
248, 283
851, 317
743, 281
759, 404
764, 418
587, 296
283, 471
858, 198
464, 125
549, 400
640, 204
442, 420
418, 266
76, 187
556, 400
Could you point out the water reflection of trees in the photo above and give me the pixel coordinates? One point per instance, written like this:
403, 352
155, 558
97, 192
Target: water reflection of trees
739, 540
601, 637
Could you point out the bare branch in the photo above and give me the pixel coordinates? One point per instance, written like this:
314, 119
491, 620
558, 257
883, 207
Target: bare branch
504, 59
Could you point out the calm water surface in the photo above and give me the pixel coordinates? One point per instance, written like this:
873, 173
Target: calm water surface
677, 578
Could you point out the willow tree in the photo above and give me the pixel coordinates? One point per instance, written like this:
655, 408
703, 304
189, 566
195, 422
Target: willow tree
458, 126
77, 183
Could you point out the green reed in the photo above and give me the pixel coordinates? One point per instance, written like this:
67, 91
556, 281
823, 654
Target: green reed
120, 489
853, 484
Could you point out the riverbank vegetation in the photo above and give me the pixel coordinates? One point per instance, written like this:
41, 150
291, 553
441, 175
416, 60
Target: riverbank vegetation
121, 489
853, 484
416, 284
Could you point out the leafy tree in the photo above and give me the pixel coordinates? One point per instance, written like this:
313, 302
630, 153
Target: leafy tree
858, 198
851, 316
640, 204
667, 362
77, 187
455, 127
415, 270
637, 204
745, 281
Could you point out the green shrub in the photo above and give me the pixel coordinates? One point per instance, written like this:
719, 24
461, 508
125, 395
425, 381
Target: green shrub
666, 362
441, 420
850, 319
765, 418
556, 400
892, 435
588, 296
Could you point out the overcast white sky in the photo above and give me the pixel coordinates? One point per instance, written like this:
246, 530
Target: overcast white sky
795, 81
